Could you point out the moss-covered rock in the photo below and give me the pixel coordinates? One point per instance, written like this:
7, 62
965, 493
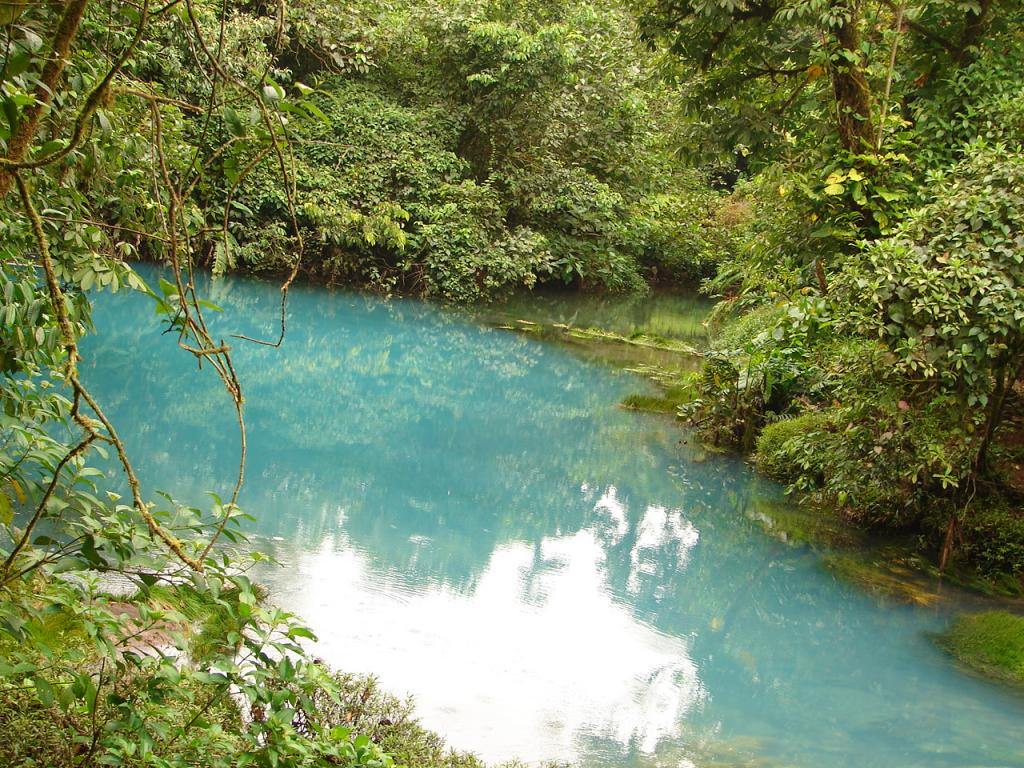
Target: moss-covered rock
780, 454
990, 643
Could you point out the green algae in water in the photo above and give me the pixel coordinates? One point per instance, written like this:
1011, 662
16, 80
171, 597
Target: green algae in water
666, 402
658, 315
990, 643
468, 514
882, 579
802, 524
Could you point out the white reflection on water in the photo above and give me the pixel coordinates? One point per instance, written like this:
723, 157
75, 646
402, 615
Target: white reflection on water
658, 527
537, 641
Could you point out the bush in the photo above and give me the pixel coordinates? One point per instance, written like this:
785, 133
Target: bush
756, 371
994, 537
367, 709
889, 459
945, 293
465, 152
386, 203
583, 220
981, 100
33, 733
683, 236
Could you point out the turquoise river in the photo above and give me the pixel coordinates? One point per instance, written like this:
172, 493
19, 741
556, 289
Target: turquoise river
467, 513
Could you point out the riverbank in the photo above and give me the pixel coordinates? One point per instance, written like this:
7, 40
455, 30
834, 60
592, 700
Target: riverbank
191, 627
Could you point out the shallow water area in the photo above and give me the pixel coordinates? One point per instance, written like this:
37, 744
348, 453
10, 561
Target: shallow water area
669, 314
466, 513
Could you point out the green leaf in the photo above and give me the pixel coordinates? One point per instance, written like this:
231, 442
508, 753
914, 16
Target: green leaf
314, 110
104, 122
49, 148
168, 288
297, 632
234, 123
6, 510
11, 113
43, 690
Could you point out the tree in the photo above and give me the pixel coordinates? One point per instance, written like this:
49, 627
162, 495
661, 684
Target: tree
774, 54
99, 163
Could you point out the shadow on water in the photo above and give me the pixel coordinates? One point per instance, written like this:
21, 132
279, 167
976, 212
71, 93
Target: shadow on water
467, 513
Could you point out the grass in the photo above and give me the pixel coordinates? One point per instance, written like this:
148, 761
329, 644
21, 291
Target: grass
667, 402
989, 643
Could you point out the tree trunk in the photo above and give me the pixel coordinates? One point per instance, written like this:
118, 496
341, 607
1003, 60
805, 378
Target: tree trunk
1006, 377
849, 84
975, 24
21, 140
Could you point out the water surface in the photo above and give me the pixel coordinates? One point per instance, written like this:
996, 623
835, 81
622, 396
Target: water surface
466, 513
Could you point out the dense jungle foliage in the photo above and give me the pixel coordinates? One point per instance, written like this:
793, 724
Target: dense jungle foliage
871, 344
847, 176
460, 151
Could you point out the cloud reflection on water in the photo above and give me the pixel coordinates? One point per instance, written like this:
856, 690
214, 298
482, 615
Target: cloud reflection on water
544, 610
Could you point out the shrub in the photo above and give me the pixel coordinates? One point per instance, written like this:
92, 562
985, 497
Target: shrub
888, 460
34, 735
367, 709
682, 237
756, 370
993, 534
981, 100
945, 292
583, 220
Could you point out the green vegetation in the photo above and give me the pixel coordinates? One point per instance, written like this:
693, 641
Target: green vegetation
869, 342
100, 162
48, 734
364, 706
882, 579
777, 448
869, 262
460, 152
652, 403
990, 643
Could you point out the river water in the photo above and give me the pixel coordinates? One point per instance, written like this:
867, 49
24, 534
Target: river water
466, 513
